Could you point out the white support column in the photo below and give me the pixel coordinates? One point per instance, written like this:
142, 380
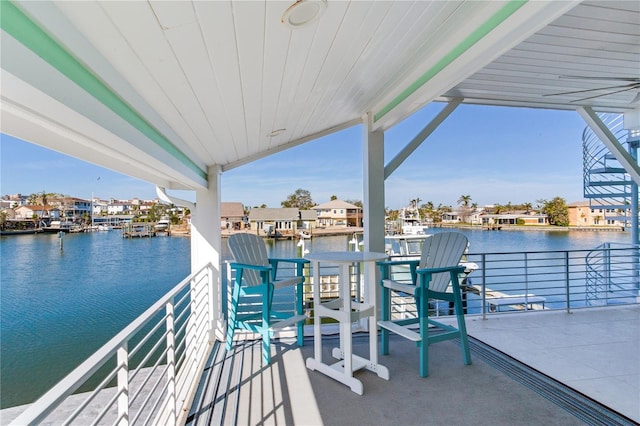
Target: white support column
373, 203
206, 244
373, 180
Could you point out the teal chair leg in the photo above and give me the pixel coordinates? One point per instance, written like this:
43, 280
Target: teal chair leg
386, 316
423, 318
266, 333
385, 300
299, 303
462, 328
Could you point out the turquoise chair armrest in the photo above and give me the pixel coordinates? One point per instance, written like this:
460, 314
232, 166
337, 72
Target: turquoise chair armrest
258, 268
382, 263
385, 266
263, 270
298, 261
457, 269
426, 273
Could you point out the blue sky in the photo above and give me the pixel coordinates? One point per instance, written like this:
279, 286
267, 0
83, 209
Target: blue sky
493, 154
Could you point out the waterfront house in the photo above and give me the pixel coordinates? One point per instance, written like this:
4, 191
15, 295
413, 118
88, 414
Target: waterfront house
72, 207
39, 212
267, 221
180, 93
584, 213
307, 220
232, 215
464, 215
338, 213
512, 219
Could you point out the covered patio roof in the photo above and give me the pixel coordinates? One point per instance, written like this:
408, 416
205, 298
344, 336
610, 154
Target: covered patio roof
167, 91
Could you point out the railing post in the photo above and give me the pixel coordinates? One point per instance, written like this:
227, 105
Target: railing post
123, 384
567, 282
607, 265
171, 361
484, 286
526, 282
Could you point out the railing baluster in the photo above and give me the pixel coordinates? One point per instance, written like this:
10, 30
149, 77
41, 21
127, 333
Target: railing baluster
483, 264
568, 291
123, 384
171, 360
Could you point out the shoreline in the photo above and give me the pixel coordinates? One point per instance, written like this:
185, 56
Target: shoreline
183, 231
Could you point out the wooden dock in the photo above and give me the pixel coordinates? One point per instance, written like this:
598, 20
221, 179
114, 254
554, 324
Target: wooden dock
138, 230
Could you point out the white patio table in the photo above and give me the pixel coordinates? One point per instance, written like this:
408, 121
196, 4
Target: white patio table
346, 311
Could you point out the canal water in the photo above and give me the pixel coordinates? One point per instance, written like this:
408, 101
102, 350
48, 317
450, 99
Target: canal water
57, 306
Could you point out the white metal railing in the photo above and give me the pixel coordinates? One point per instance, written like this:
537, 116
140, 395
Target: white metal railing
515, 282
547, 280
610, 272
147, 373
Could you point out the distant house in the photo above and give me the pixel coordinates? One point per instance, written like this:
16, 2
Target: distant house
71, 207
466, 215
270, 221
338, 213
119, 207
41, 212
515, 219
232, 215
581, 213
307, 219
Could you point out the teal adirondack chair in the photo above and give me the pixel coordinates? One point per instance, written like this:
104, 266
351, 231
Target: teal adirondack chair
430, 276
252, 293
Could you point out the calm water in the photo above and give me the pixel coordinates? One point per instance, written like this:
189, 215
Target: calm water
57, 308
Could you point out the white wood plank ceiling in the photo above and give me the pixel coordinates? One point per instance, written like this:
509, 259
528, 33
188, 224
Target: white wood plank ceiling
211, 80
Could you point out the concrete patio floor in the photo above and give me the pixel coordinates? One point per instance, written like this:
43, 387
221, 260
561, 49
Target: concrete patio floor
594, 351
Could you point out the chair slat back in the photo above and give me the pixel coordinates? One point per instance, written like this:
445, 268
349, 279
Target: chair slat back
440, 250
249, 249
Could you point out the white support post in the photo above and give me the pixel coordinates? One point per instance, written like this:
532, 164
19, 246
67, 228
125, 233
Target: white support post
172, 406
123, 385
373, 181
206, 245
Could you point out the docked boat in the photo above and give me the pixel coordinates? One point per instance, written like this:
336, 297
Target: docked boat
59, 226
409, 221
163, 224
304, 234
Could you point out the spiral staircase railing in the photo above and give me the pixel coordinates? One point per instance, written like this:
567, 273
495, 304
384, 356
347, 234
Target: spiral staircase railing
606, 183
607, 186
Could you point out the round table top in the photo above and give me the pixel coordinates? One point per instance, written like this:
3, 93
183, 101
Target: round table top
346, 256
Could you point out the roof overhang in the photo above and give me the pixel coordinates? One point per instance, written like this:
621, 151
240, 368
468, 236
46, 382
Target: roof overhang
166, 91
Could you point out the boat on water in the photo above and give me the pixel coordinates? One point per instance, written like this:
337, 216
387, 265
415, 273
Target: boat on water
101, 228
163, 224
409, 221
60, 226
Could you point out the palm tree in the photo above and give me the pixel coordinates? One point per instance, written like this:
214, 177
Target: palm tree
464, 200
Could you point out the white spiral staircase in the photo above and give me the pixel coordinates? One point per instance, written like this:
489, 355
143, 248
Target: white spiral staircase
609, 187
